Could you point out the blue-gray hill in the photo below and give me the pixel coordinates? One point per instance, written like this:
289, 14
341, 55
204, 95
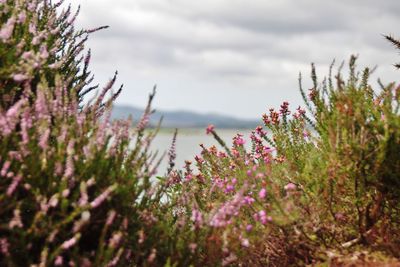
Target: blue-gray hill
184, 119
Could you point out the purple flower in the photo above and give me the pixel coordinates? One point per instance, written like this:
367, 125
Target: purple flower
248, 200
249, 227
229, 188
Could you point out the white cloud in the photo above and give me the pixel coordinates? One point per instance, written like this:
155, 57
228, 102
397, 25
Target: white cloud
218, 55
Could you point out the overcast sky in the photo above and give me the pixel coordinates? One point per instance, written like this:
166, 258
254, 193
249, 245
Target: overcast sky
235, 57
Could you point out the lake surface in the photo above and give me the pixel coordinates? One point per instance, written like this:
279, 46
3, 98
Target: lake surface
188, 143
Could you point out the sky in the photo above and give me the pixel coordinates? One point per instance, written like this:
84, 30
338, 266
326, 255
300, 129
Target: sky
233, 57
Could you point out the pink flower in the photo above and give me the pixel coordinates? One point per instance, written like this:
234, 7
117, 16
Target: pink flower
260, 131
5, 168
44, 54
20, 77
229, 188
152, 255
245, 242
111, 217
53, 200
16, 180
210, 129
238, 140
69, 167
65, 193
188, 177
224, 214
197, 217
44, 138
284, 109
58, 261
262, 217
7, 30
100, 199
262, 213
221, 155
262, 194
248, 200
22, 17
4, 246
300, 113
290, 187
71, 242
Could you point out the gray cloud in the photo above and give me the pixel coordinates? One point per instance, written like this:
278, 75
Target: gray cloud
235, 57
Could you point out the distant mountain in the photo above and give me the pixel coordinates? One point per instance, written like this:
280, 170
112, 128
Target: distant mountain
184, 119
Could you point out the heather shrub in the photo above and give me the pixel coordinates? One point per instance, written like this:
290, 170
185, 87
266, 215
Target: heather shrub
38, 43
75, 187
314, 187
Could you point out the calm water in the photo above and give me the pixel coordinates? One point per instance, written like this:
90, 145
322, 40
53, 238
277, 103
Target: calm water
188, 143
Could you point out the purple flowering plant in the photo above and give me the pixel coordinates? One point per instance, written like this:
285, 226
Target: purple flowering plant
75, 187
